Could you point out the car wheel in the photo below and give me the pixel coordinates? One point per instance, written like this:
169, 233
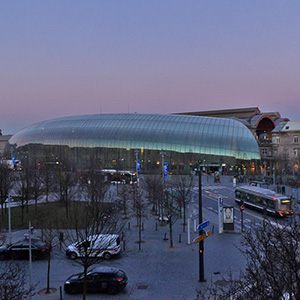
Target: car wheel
112, 290
73, 290
106, 256
73, 255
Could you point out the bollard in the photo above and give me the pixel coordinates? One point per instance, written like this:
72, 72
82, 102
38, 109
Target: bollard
124, 245
165, 237
129, 226
155, 226
60, 293
213, 229
179, 238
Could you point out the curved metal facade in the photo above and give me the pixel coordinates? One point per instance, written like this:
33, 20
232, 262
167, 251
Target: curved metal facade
178, 133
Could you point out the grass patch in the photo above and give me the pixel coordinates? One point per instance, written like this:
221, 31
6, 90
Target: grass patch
54, 213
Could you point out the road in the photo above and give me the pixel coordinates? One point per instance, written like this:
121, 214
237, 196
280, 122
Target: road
156, 271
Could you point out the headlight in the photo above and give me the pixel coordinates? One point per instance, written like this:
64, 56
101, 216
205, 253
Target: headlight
67, 282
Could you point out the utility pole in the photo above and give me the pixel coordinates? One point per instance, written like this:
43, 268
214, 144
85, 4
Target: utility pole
8, 200
162, 153
201, 243
30, 259
136, 152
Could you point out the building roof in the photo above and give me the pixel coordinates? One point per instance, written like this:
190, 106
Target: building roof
5, 138
186, 134
287, 126
241, 113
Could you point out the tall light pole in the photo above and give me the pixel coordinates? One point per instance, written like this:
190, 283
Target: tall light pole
8, 200
201, 243
30, 258
162, 153
136, 151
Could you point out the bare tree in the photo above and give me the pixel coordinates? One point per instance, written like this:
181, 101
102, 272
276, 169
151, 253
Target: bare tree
90, 220
36, 187
66, 184
182, 191
95, 187
47, 176
6, 179
139, 208
124, 197
13, 282
51, 240
272, 265
171, 211
154, 187
23, 186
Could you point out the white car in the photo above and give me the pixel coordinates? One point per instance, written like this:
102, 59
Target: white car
102, 245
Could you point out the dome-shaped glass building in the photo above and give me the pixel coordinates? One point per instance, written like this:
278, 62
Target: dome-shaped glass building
112, 139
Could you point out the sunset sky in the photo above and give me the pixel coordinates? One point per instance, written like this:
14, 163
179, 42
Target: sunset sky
62, 58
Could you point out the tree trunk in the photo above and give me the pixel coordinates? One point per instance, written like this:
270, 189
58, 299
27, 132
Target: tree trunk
184, 217
84, 281
48, 275
171, 233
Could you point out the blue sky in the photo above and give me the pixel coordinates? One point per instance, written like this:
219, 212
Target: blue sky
62, 58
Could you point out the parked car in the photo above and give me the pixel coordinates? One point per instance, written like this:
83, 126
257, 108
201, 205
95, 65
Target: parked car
99, 279
20, 250
102, 245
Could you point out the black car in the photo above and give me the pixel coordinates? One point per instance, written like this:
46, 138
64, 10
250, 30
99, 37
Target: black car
100, 279
20, 250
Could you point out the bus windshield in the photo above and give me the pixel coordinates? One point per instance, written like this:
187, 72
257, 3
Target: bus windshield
285, 204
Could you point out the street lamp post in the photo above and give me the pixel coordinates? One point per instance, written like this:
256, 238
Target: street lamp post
8, 200
201, 243
162, 153
136, 151
30, 259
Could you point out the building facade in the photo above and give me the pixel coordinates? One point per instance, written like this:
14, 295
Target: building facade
264, 127
286, 148
112, 140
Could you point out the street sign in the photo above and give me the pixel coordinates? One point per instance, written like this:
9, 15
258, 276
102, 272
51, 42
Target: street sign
201, 237
166, 170
220, 201
203, 225
295, 191
242, 207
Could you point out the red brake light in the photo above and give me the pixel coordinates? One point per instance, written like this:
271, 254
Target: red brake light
280, 213
119, 279
43, 250
291, 212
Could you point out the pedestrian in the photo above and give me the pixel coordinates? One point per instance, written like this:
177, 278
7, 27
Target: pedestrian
278, 189
283, 190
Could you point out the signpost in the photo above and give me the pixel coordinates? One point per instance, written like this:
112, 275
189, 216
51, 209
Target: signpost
220, 213
203, 225
201, 237
242, 208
